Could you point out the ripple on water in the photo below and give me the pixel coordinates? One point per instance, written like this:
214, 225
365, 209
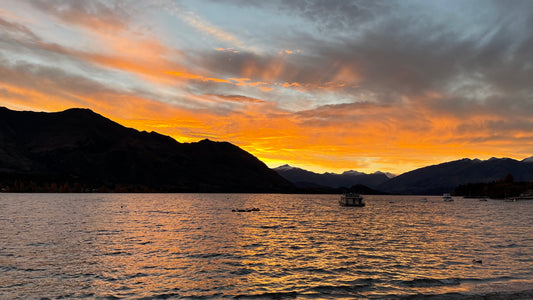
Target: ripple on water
298, 246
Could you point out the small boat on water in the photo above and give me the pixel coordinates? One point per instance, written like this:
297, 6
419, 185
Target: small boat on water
351, 199
525, 196
446, 197
424, 199
246, 210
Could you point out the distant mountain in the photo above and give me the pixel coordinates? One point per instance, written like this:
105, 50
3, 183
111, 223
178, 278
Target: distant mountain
442, 178
82, 148
307, 179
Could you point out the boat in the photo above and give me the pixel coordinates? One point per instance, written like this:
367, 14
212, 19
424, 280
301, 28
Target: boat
424, 199
246, 210
447, 198
351, 199
525, 196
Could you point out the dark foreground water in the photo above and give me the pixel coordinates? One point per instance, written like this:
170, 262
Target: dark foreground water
298, 246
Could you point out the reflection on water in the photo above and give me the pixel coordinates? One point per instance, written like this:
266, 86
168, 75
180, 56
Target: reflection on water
193, 245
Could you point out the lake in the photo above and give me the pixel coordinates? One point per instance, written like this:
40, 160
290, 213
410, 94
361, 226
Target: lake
175, 246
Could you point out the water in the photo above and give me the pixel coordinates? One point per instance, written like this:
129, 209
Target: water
135, 246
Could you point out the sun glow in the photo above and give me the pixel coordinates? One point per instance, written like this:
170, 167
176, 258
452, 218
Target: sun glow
324, 97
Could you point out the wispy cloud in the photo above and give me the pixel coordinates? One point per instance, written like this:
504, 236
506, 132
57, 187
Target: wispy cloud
111, 17
237, 98
204, 26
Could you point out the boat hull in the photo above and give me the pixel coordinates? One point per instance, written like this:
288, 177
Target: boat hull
353, 205
447, 198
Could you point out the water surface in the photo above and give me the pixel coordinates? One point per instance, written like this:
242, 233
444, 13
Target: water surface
301, 246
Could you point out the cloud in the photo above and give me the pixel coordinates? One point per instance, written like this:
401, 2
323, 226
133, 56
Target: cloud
325, 83
337, 16
204, 26
191, 76
16, 31
237, 98
102, 16
397, 49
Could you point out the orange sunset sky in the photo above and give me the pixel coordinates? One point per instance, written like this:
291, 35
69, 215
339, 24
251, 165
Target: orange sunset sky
323, 85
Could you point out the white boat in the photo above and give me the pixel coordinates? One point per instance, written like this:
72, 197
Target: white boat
447, 197
424, 199
525, 196
351, 199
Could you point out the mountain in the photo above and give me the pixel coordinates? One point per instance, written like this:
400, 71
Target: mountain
80, 147
529, 159
307, 179
443, 178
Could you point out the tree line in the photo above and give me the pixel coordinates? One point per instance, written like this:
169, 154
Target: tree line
503, 188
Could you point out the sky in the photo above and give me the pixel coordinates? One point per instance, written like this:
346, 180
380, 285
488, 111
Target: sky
323, 85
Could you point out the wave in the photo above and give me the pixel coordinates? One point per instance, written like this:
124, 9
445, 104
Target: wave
429, 282
435, 282
350, 288
271, 295
525, 294
162, 296
208, 255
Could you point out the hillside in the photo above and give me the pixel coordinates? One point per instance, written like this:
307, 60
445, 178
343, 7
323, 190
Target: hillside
82, 148
442, 178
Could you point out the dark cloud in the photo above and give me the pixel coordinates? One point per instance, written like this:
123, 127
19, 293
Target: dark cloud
475, 54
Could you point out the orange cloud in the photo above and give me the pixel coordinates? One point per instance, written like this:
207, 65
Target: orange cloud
237, 98
185, 75
227, 50
366, 133
364, 137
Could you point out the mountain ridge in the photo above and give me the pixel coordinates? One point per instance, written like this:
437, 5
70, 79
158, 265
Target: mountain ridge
81, 146
306, 179
444, 177
429, 180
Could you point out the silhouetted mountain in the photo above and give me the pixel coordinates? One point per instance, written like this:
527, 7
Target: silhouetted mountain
529, 159
78, 146
307, 179
362, 189
443, 178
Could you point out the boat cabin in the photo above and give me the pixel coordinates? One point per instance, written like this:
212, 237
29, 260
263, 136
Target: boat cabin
351, 199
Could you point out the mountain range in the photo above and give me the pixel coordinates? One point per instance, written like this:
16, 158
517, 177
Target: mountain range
442, 178
79, 150
80, 147
430, 180
307, 179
